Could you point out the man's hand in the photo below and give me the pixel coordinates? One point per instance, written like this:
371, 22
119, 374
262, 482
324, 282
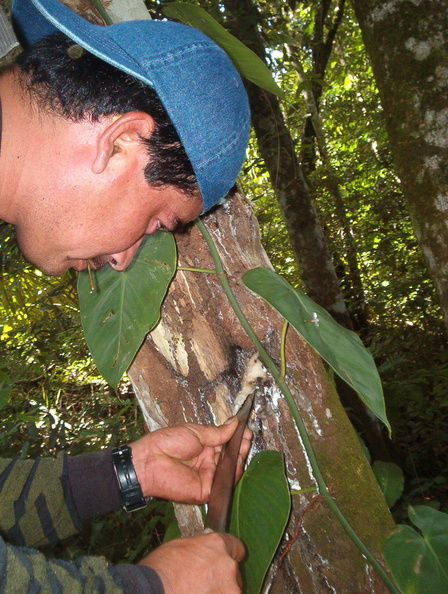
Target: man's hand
178, 463
205, 564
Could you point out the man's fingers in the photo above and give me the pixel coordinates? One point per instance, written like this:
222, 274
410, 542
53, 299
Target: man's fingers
246, 442
206, 564
212, 436
234, 546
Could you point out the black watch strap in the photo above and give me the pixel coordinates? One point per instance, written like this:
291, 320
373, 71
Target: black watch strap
130, 488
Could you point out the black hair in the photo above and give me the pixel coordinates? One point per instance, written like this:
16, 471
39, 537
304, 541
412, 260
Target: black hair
65, 79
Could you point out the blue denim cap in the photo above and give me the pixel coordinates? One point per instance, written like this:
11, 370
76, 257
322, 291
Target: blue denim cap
193, 77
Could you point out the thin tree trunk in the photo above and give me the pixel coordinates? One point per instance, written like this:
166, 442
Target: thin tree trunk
189, 369
369, 427
321, 48
277, 149
354, 293
407, 45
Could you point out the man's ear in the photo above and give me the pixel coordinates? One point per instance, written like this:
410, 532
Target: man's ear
121, 134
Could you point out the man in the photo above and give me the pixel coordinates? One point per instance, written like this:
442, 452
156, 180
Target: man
109, 133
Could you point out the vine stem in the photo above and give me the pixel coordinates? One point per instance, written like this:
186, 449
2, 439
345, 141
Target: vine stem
102, 11
276, 374
282, 349
192, 269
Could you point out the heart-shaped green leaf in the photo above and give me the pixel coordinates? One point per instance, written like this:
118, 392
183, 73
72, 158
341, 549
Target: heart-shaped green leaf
260, 511
125, 306
390, 479
245, 60
341, 348
419, 562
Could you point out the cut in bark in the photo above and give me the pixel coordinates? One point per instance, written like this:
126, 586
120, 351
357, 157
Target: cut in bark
189, 369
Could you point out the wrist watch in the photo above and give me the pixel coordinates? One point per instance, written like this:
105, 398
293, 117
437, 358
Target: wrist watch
130, 488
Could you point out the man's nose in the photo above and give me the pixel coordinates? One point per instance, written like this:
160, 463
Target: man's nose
121, 260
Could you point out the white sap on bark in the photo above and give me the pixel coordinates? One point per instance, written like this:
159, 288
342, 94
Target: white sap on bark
190, 369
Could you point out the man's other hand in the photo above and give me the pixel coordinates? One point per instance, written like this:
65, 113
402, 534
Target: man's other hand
178, 463
205, 564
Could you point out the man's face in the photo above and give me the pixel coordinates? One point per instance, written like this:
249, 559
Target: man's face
105, 231
71, 216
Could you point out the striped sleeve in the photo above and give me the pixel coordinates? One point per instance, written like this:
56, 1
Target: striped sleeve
28, 570
36, 504
36, 508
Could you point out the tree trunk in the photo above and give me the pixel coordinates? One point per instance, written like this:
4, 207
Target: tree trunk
321, 47
189, 369
277, 149
407, 45
350, 280
369, 427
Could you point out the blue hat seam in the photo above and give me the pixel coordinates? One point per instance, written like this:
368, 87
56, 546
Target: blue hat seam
230, 143
176, 55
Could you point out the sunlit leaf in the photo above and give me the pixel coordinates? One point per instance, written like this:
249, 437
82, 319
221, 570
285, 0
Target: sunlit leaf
125, 306
245, 60
341, 348
390, 479
419, 562
260, 511
348, 82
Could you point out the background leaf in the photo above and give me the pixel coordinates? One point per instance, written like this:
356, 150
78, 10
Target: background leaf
260, 511
341, 348
390, 479
125, 306
419, 562
245, 60
5, 388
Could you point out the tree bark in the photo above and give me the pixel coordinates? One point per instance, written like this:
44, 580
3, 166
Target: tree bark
321, 47
314, 137
277, 149
368, 426
295, 200
189, 369
407, 45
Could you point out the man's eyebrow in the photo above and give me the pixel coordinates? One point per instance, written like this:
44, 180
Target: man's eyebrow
175, 222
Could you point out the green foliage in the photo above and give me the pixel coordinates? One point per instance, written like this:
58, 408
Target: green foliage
245, 61
274, 236
53, 398
121, 537
5, 388
404, 330
413, 364
260, 511
419, 559
39, 316
125, 306
390, 478
341, 348
50, 414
